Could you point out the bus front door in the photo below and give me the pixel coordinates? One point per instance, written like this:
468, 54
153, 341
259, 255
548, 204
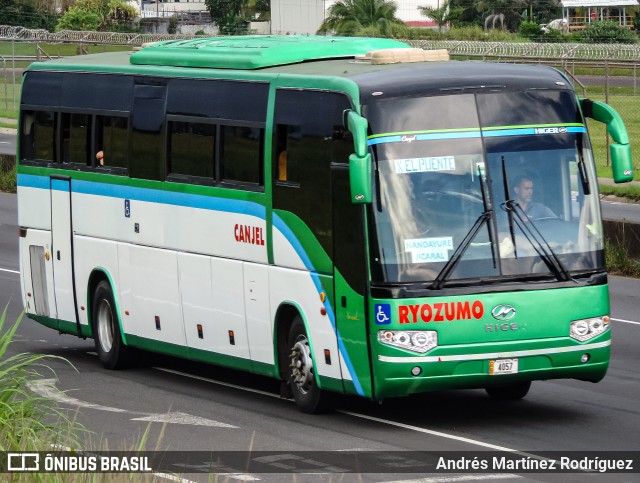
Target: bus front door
62, 249
349, 251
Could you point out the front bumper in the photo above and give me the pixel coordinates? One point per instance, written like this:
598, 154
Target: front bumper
467, 366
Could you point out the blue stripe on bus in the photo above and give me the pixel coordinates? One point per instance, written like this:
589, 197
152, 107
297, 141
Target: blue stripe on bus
60, 185
147, 194
528, 132
488, 133
194, 201
297, 246
424, 137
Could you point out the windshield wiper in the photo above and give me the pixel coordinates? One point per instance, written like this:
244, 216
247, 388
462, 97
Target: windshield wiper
507, 196
541, 246
457, 254
487, 207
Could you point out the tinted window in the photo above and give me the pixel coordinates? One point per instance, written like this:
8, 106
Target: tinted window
191, 149
76, 138
517, 108
246, 101
241, 153
78, 90
422, 114
147, 136
38, 132
309, 136
112, 138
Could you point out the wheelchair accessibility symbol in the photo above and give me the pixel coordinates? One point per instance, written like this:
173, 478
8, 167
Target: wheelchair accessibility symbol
383, 314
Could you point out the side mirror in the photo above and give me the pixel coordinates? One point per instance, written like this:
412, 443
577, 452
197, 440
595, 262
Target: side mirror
620, 149
360, 171
360, 178
358, 126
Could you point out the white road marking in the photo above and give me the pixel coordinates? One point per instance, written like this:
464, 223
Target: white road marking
357, 415
183, 418
431, 432
9, 271
214, 381
47, 388
625, 321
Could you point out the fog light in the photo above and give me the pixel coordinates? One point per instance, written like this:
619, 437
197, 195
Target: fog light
585, 358
416, 371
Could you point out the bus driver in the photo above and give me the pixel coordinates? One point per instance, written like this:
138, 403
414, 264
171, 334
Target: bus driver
523, 188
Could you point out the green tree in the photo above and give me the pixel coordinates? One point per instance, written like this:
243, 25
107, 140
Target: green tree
226, 14
76, 19
25, 14
607, 32
346, 17
442, 15
84, 14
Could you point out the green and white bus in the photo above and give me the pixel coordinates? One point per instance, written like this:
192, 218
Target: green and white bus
343, 214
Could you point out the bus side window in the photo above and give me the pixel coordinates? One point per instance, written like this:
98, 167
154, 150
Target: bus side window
191, 149
38, 129
76, 136
112, 138
286, 169
241, 150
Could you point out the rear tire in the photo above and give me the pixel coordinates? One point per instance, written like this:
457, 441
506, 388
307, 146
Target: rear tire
300, 372
112, 352
511, 392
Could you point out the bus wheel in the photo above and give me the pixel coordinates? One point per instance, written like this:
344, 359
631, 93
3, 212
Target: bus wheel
106, 333
512, 392
301, 377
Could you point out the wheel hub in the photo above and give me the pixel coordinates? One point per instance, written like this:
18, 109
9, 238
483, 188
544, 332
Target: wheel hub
301, 365
105, 326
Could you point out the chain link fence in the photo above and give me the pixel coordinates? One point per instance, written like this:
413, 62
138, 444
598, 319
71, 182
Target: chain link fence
607, 72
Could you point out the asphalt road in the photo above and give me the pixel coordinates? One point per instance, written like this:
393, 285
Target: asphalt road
7, 142
187, 406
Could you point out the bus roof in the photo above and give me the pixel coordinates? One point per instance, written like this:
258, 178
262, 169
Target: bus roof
256, 51
312, 57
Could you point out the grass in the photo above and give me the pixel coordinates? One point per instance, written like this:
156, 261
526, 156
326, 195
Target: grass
7, 174
24, 418
618, 260
621, 190
629, 109
9, 49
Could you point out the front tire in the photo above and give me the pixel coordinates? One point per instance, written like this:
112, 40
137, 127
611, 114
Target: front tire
112, 352
511, 392
301, 373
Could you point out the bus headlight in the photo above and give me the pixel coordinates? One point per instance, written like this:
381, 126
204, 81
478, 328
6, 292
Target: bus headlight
413, 340
586, 329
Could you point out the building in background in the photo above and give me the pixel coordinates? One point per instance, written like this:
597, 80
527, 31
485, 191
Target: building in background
305, 16
580, 13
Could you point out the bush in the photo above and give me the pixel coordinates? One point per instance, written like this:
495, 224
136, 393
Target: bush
607, 32
530, 30
7, 173
76, 19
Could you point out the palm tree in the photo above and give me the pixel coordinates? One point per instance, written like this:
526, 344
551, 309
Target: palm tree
442, 14
347, 17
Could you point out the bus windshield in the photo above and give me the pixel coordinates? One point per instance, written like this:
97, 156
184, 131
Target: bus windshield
477, 187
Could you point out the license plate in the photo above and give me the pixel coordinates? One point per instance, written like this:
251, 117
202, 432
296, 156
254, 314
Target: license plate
503, 366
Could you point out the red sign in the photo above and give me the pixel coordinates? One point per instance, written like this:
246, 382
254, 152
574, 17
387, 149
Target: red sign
440, 312
248, 234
